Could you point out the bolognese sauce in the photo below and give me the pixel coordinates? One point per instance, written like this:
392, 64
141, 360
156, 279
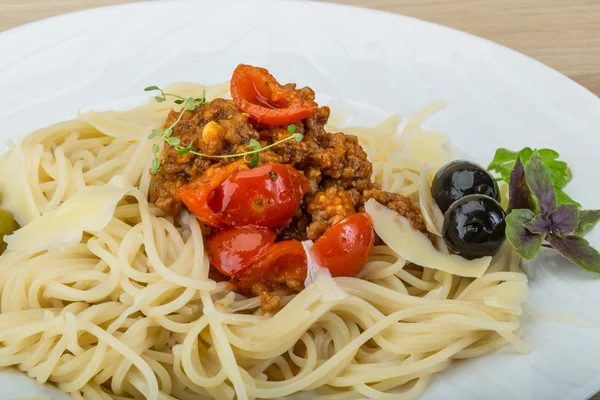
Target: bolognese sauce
301, 188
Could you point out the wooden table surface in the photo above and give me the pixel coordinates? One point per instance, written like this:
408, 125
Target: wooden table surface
564, 34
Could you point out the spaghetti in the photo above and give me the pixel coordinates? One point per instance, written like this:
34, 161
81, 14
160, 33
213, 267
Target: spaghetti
129, 311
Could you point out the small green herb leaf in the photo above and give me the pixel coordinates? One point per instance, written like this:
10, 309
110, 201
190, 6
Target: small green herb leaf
151, 88
183, 150
173, 141
155, 165
159, 99
155, 133
503, 163
189, 104
560, 173
155, 148
254, 144
527, 244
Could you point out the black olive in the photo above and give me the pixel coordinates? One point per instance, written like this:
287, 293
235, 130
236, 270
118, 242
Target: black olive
460, 178
474, 226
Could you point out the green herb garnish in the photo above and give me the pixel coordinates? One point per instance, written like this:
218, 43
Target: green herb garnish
560, 174
540, 211
189, 104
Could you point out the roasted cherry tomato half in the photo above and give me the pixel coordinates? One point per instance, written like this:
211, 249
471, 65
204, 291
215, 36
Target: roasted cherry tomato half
196, 194
266, 196
346, 246
279, 263
256, 92
230, 250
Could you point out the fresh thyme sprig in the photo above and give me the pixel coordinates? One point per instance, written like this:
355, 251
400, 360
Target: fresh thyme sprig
190, 104
166, 135
254, 146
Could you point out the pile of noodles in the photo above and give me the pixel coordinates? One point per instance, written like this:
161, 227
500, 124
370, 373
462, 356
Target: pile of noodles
130, 312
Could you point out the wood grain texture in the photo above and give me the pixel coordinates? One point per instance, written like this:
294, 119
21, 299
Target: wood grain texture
564, 34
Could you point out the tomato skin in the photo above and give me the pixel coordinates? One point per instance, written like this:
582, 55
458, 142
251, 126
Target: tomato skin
256, 92
278, 263
196, 194
230, 250
266, 196
345, 247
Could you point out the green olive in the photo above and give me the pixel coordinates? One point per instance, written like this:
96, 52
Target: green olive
7, 226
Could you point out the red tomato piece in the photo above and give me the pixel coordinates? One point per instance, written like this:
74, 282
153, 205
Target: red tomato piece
230, 250
280, 262
256, 92
266, 196
346, 246
196, 194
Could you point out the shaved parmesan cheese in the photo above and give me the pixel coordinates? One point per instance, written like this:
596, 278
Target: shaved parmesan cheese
507, 295
417, 149
16, 193
91, 209
412, 245
434, 219
320, 277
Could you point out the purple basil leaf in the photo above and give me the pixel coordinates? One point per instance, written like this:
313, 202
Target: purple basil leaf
538, 225
527, 244
519, 195
538, 179
587, 220
564, 219
577, 250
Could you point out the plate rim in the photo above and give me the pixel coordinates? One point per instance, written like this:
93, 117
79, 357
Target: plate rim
310, 3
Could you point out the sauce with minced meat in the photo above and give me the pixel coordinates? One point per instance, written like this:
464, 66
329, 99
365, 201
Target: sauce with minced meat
335, 164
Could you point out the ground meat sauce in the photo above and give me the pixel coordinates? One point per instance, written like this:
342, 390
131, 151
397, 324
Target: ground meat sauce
335, 164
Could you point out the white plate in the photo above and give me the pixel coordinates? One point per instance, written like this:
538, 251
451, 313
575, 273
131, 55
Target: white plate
381, 62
